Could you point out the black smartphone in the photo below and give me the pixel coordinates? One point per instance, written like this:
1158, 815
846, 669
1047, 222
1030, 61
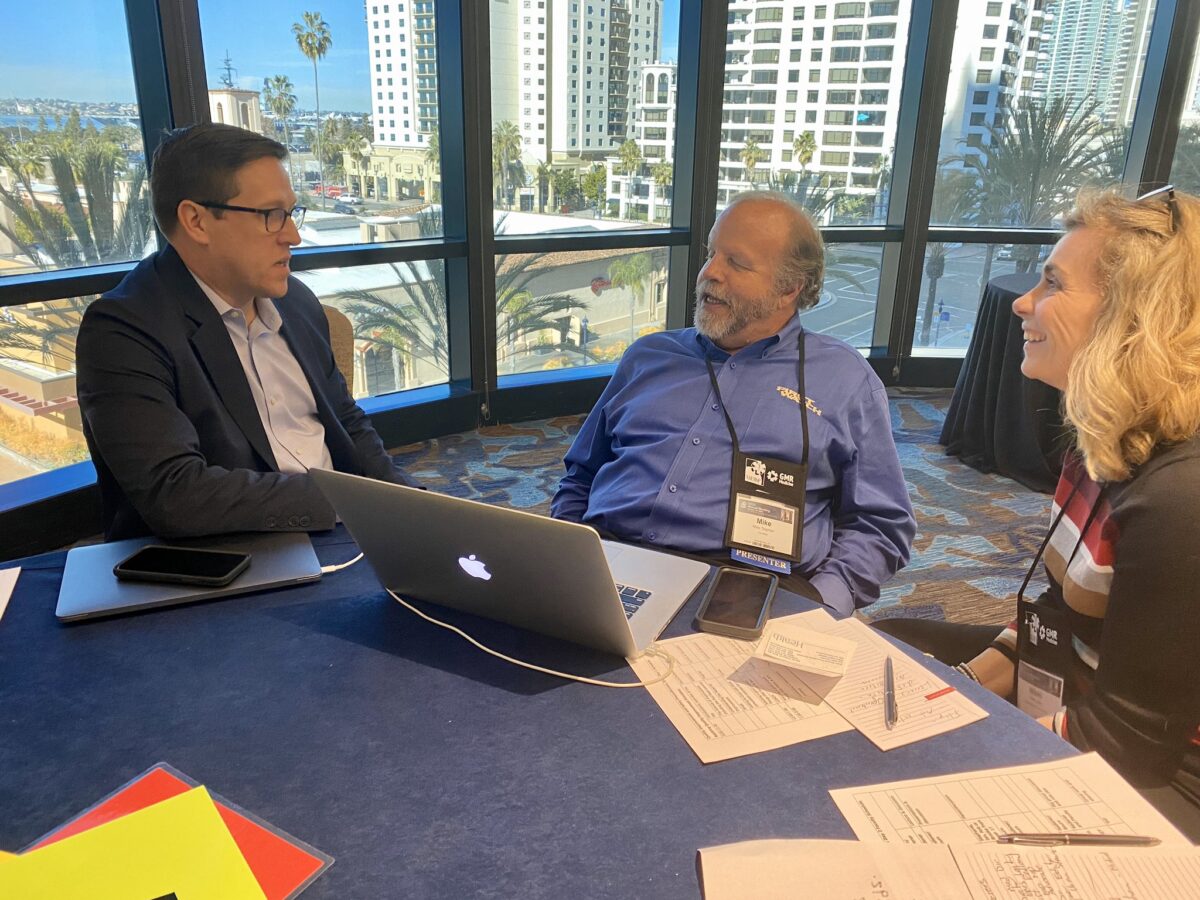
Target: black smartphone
737, 603
183, 565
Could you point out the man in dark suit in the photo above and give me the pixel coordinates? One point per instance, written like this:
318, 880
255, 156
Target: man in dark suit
205, 401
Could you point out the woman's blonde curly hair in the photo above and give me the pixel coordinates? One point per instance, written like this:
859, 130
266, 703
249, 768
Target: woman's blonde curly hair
1135, 385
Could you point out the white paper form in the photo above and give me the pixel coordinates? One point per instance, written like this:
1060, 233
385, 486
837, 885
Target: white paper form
726, 704
925, 704
1078, 794
766, 870
830, 870
8, 583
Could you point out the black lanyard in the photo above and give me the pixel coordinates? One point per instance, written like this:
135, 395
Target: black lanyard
803, 401
1062, 511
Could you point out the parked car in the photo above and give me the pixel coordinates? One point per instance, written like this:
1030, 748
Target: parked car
350, 199
1005, 251
342, 207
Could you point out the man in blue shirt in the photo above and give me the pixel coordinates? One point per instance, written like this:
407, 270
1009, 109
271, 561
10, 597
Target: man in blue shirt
654, 461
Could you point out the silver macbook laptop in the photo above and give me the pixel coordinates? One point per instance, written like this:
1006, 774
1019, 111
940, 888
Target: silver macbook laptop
552, 577
90, 589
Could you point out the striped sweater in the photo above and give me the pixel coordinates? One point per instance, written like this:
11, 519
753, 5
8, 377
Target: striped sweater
1124, 563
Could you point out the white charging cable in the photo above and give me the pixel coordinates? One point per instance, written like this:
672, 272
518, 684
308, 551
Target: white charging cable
337, 567
652, 651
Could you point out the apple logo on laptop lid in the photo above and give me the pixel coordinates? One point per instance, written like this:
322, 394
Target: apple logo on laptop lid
474, 567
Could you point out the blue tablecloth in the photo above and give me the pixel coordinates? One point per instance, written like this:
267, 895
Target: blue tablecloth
426, 768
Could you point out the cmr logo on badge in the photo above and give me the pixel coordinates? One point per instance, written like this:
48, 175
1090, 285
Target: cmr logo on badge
474, 567
757, 472
1038, 631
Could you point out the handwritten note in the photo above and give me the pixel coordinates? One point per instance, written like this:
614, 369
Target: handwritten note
725, 703
1080, 794
927, 706
801, 648
775, 870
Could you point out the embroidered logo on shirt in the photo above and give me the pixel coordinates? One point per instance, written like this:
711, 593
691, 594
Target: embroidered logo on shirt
794, 396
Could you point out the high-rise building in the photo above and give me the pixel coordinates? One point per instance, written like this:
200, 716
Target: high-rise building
1097, 51
1001, 56
563, 74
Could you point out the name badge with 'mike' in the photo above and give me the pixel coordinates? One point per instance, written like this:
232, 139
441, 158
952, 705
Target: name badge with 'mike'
765, 506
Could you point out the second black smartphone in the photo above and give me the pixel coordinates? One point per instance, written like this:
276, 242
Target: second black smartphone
183, 565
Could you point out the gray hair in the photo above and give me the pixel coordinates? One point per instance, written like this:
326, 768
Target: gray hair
804, 261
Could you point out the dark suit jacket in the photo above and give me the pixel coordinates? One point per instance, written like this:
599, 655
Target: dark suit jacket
176, 439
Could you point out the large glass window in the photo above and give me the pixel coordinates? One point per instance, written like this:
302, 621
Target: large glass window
791, 154
40, 425
1185, 169
583, 113
952, 281
398, 315
353, 96
1053, 115
561, 310
850, 293
72, 164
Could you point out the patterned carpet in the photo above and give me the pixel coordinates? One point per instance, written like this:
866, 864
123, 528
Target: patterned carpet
975, 533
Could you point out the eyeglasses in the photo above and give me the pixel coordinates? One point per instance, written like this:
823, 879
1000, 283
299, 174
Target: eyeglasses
274, 218
1166, 192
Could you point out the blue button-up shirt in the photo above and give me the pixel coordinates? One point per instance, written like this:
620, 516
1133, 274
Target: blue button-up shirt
652, 462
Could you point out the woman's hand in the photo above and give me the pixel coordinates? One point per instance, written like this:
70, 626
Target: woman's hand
995, 672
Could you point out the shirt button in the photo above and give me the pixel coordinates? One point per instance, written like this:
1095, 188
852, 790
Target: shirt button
653, 535
673, 488
695, 440
715, 406
733, 365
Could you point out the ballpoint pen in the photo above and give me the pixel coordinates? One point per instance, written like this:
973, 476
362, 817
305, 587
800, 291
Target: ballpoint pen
1081, 840
889, 694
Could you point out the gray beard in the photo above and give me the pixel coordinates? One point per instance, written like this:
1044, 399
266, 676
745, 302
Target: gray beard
740, 314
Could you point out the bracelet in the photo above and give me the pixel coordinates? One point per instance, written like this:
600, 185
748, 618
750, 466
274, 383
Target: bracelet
965, 668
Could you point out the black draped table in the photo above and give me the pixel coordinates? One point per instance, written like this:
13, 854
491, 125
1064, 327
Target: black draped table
999, 420
424, 767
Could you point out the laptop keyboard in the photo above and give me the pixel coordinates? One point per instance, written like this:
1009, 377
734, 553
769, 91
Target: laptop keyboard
632, 598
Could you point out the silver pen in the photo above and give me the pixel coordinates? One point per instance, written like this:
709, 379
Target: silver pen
889, 694
1079, 840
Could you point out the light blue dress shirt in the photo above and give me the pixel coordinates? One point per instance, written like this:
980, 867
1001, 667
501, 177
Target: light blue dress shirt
281, 392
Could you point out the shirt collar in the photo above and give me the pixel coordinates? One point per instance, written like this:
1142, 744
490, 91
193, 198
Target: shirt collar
264, 307
781, 341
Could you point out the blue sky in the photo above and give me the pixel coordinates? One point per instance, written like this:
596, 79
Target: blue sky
77, 49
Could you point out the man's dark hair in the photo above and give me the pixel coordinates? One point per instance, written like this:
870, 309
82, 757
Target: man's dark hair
200, 162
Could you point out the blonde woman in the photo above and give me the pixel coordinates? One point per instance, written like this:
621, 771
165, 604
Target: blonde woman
1114, 323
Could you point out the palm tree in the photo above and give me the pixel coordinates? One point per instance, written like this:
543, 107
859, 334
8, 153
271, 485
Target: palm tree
280, 97
803, 148
955, 199
631, 162
663, 174
545, 176
751, 156
87, 232
1032, 167
413, 322
314, 40
433, 162
632, 272
506, 157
